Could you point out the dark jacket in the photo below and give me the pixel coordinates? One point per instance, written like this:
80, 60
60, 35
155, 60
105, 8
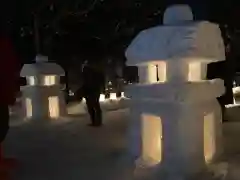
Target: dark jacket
93, 81
9, 73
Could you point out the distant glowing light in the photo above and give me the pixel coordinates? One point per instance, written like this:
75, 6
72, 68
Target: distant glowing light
236, 90
113, 96
234, 83
71, 93
102, 98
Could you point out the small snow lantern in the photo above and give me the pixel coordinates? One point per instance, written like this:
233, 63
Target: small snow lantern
42, 96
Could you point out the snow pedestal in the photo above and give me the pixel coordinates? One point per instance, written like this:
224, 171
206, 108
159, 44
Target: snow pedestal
175, 127
42, 97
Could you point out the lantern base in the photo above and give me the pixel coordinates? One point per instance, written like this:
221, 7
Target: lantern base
51, 106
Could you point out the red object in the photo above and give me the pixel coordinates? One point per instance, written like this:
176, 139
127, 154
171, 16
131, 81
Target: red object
4, 175
9, 72
6, 164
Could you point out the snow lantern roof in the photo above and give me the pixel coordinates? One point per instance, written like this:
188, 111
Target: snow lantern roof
177, 41
42, 68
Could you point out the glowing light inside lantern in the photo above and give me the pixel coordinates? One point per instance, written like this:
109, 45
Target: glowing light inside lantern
162, 71
209, 134
152, 138
102, 97
31, 80
122, 95
29, 112
194, 71
54, 107
49, 80
113, 96
152, 73
234, 101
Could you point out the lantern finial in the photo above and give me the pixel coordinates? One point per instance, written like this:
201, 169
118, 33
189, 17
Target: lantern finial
176, 14
41, 58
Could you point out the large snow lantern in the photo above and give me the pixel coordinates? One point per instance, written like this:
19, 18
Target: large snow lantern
176, 120
42, 96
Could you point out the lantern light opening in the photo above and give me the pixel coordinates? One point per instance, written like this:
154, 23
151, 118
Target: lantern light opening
113, 96
161, 72
31, 80
102, 98
209, 142
194, 71
50, 80
152, 138
53, 107
28, 107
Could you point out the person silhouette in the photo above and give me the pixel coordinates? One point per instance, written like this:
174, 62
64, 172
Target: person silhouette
93, 85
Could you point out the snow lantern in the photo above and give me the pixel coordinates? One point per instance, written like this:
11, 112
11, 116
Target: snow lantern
175, 117
42, 96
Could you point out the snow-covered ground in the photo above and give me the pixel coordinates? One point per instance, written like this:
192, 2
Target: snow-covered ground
231, 132
67, 149
77, 108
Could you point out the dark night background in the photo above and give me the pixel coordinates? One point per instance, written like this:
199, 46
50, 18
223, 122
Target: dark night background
98, 30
